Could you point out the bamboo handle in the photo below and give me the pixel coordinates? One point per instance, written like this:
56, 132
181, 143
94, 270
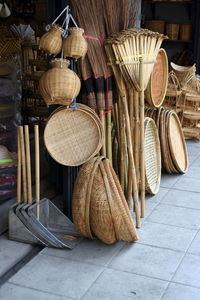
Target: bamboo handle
103, 120
23, 161
142, 165
37, 168
109, 136
18, 167
28, 164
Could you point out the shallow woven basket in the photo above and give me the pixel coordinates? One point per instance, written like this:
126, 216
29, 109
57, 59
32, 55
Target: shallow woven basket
172, 31
75, 44
51, 41
9, 46
152, 156
157, 86
155, 25
72, 137
177, 143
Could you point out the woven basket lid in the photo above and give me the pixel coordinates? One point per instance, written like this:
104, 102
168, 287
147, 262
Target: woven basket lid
157, 86
72, 137
152, 156
177, 143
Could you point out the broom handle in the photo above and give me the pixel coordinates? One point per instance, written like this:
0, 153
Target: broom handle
103, 121
142, 165
23, 161
18, 167
137, 135
28, 164
109, 136
37, 168
132, 164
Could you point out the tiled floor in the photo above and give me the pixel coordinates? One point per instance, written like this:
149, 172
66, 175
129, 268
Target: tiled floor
163, 265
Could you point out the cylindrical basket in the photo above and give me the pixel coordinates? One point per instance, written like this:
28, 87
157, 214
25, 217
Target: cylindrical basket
155, 25
172, 31
185, 32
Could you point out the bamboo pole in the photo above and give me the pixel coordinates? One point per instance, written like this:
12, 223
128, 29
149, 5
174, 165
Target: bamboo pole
37, 169
103, 121
142, 165
132, 164
137, 135
23, 161
122, 146
18, 167
28, 164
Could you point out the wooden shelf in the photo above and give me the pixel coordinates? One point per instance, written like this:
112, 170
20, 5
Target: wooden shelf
177, 41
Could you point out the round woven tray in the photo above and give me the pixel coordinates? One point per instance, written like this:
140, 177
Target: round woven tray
191, 115
72, 136
177, 144
157, 86
152, 156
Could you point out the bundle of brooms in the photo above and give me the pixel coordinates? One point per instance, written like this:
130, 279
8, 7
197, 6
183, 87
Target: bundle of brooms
100, 19
99, 207
132, 54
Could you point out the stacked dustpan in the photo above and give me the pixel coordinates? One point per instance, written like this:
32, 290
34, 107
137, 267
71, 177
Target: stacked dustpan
38, 221
99, 207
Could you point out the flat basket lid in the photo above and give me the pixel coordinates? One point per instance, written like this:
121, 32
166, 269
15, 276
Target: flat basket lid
177, 144
72, 137
152, 156
158, 82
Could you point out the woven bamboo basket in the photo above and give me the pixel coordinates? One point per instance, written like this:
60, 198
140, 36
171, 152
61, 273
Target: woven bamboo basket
75, 44
59, 85
191, 115
152, 156
9, 46
80, 197
172, 31
155, 25
177, 144
100, 215
51, 41
72, 137
157, 86
185, 32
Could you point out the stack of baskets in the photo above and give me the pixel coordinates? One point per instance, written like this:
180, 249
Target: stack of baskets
73, 136
173, 147
99, 207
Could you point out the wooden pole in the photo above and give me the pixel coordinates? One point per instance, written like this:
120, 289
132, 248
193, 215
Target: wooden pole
109, 136
28, 163
137, 135
142, 165
23, 161
103, 121
37, 169
18, 167
132, 164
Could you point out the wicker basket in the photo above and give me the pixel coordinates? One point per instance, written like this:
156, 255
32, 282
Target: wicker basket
152, 157
185, 32
172, 31
75, 45
51, 41
9, 46
155, 25
157, 86
72, 137
59, 85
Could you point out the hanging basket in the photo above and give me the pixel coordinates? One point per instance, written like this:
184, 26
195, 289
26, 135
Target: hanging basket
51, 41
59, 85
75, 44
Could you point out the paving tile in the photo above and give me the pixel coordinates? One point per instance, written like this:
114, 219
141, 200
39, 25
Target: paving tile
159, 196
146, 260
124, 286
196, 162
50, 274
177, 216
168, 180
189, 271
166, 236
88, 251
188, 184
195, 246
11, 253
193, 172
182, 198
181, 292
192, 159
10, 291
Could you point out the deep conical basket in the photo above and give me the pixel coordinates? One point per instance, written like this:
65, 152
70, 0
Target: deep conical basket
75, 44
